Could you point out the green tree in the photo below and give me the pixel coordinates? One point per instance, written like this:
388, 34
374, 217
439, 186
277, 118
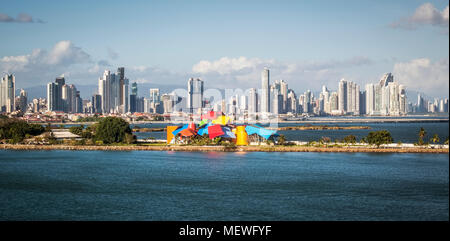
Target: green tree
379, 137
325, 140
435, 139
422, 134
350, 139
130, 138
112, 130
15, 130
48, 128
77, 130
281, 140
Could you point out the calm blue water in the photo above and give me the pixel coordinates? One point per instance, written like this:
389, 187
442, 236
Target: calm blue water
140, 185
404, 132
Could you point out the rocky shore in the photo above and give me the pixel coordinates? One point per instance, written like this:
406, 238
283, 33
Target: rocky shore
227, 149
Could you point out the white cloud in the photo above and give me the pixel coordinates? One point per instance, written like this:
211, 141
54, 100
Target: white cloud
64, 52
423, 75
41, 66
227, 65
245, 72
425, 14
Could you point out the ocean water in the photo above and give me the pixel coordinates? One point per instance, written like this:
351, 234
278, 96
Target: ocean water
145, 185
404, 132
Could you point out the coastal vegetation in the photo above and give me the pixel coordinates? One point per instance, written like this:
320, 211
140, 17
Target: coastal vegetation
113, 130
15, 130
379, 137
94, 118
422, 134
116, 132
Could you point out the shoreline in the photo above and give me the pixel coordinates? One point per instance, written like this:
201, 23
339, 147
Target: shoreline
226, 149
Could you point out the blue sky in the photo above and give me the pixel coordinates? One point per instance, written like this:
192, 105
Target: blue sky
163, 41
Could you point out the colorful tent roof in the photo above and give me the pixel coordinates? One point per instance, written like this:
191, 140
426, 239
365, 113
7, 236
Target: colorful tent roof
187, 132
214, 131
260, 131
210, 115
204, 121
204, 130
180, 129
222, 120
227, 133
192, 126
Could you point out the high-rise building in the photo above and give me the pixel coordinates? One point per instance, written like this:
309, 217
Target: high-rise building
307, 102
362, 102
133, 103
139, 104
154, 95
7, 93
21, 101
78, 103
133, 97
265, 94
195, 95
342, 96
134, 89
252, 101
125, 96
350, 95
386, 79
121, 75
292, 103
114, 91
69, 95
55, 101
284, 94
96, 103
370, 99
334, 103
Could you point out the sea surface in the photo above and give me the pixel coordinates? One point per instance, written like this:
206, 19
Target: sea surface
153, 185
401, 132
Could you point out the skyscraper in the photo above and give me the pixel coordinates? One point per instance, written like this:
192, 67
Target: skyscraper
55, 101
154, 95
134, 89
386, 79
133, 97
252, 101
121, 75
292, 102
265, 94
21, 101
96, 103
114, 91
370, 99
195, 94
7, 93
342, 96
284, 93
69, 95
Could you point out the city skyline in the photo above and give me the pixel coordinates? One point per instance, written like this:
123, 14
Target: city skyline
304, 43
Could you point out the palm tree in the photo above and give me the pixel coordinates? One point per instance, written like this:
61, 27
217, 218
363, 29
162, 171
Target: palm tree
422, 134
281, 140
435, 138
